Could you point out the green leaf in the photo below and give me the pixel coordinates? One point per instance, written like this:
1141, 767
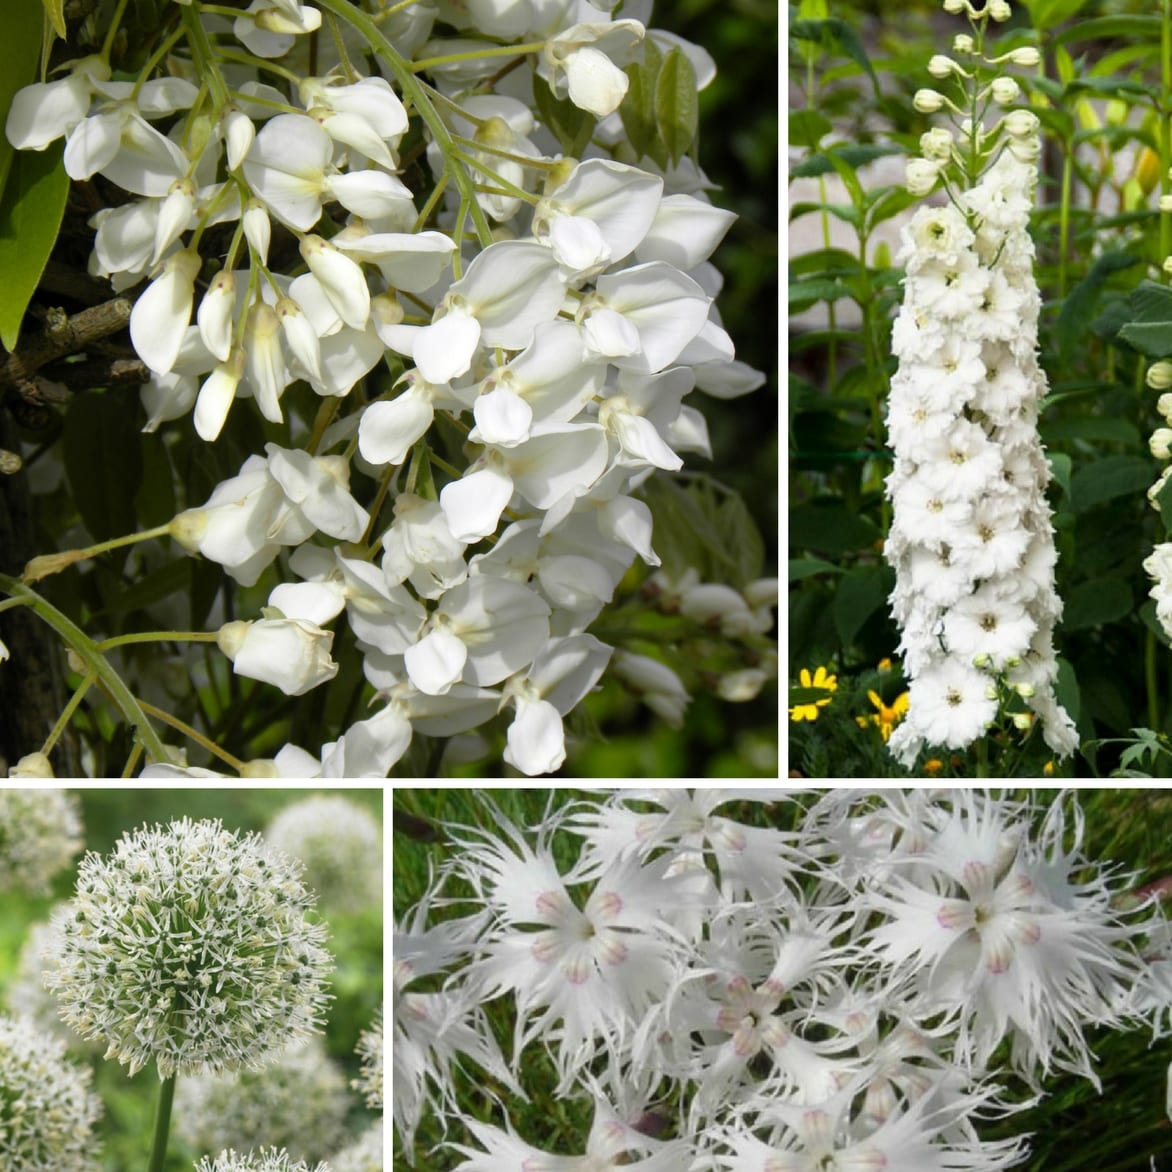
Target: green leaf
1083, 298
1098, 428
808, 695
1093, 603
1060, 464
803, 293
859, 594
103, 461
30, 216
561, 117
637, 112
1164, 504
677, 104
836, 34
1110, 477
800, 568
1139, 28
1151, 339
1066, 689
855, 156
1046, 14
55, 11
742, 539
830, 529
806, 129
20, 49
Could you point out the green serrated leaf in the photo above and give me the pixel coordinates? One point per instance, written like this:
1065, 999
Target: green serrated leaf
1082, 299
838, 34
30, 216
103, 461
20, 49
677, 104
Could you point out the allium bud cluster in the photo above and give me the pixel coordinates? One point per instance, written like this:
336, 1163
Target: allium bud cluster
190, 947
971, 539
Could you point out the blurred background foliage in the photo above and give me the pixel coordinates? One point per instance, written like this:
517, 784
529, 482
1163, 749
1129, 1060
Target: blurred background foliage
1099, 94
355, 940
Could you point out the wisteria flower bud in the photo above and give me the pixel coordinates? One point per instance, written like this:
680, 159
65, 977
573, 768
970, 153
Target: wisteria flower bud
257, 229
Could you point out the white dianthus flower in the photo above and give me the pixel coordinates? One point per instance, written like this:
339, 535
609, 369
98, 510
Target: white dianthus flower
40, 832
370, 1050
47, 1110
299, 1103
339, 845
192, 947
264, 1160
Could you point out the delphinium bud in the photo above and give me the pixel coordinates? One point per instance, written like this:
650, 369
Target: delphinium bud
1159, 375
191, 947
338, 844
40, 832
47, 1111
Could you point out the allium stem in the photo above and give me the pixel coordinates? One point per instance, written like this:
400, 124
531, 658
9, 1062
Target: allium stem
162, 1124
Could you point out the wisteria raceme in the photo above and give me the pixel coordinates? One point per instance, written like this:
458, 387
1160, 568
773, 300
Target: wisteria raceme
555, 306
971, 539
852, 1018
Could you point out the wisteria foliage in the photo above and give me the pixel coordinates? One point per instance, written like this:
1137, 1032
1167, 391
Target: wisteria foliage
866, 988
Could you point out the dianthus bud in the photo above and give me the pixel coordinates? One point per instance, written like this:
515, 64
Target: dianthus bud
1159, 376
928, 101
1159, 443
1005, 90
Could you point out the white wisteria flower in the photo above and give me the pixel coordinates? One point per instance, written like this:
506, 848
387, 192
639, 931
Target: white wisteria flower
191, 947
47, 1109
40, 833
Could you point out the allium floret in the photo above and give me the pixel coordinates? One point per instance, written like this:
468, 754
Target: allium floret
40, 832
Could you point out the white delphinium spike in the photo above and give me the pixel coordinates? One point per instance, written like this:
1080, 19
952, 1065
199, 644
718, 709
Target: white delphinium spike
40, 833
971, 539
191, 947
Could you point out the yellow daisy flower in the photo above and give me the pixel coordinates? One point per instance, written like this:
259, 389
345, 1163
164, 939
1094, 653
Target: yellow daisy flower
820, 679
887, 716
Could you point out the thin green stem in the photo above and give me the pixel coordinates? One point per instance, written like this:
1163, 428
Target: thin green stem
1064, 217
162, 1125
194, 735
112, 31
204, 54
417, 94
67, 713
54, 563
477, 54
1150, 683
94, 660
157, 637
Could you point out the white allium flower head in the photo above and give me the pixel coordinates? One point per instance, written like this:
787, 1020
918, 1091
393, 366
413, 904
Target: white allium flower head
264, 1160
299, 1103
40, 832
365, 1154
193, 947
370, 1050
339, 844
46, 1108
